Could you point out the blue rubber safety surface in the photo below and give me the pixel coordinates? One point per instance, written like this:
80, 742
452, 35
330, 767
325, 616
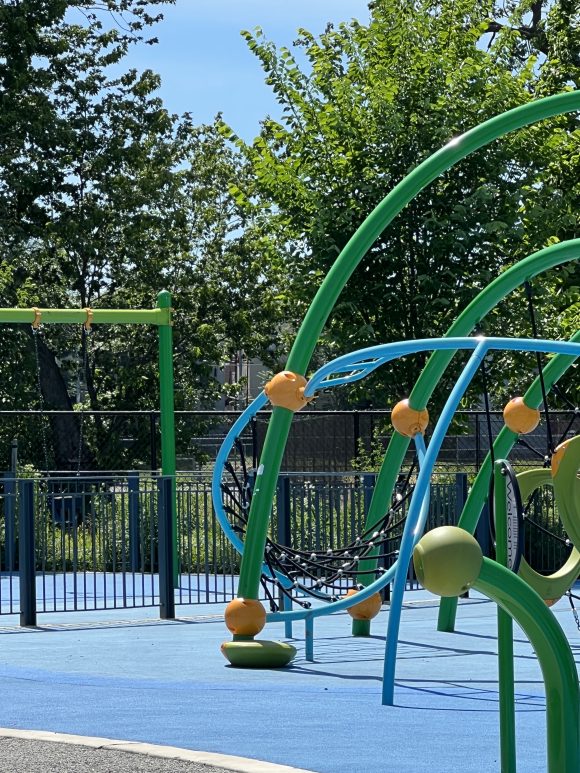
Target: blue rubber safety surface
124, 674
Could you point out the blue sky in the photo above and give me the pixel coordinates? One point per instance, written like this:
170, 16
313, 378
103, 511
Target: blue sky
206, 66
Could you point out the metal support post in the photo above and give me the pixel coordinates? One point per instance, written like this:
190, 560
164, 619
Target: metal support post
166, 587
134, 529
27, 555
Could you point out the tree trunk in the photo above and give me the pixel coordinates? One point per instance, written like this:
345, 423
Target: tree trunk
64, 435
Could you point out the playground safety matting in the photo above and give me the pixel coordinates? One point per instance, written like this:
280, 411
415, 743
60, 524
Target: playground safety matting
141, 679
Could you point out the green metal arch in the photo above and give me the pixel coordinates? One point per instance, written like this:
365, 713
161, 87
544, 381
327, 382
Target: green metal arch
333, 284
502, 445
480, 306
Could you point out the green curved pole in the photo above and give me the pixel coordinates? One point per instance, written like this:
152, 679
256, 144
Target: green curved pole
505, 633
481, 305
333, 284
524, 605
502, 445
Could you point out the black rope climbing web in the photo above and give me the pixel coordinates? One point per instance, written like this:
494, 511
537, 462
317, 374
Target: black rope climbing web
303, 575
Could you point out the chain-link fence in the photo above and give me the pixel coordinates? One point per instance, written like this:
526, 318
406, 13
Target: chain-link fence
319, 441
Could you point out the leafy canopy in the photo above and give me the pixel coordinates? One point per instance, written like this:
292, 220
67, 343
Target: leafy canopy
361, 105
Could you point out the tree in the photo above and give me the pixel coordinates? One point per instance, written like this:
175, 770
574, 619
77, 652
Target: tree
105, 198
361, 106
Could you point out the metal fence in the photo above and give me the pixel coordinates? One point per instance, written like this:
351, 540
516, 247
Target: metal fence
100, 542
319, 441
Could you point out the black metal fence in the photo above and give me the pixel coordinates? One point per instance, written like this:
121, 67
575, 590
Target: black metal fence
319, 441
104, 542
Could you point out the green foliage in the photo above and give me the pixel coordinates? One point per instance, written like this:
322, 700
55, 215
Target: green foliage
369, 455
360, 107
106, 198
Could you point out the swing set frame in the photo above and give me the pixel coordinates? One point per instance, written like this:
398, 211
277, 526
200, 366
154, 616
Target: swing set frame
162, 317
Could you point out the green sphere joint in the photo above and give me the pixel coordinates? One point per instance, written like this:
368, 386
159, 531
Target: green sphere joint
447, 561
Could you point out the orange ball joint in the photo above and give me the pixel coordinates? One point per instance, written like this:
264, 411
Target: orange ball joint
367, 609
519, 418
286, 390
409, 421
245, 617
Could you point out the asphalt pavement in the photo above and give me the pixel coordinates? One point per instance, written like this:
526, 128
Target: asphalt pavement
29, 752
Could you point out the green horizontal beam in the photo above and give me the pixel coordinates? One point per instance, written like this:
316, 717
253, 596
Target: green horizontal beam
81, 316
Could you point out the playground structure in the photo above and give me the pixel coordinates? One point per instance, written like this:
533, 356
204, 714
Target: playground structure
290, 391
362, 562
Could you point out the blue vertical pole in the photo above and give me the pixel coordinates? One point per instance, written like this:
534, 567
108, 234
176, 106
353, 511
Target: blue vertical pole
420, 495
287, 607
27, 554
309, 638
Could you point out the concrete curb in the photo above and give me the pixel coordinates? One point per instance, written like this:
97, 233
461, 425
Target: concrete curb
225, 761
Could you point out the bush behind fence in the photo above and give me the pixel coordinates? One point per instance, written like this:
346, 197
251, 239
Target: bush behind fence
96, 538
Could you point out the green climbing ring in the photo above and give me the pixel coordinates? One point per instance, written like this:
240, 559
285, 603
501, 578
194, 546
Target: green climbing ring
549, 587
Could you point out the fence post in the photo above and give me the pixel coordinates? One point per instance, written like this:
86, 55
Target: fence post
284, 536
134, 531
14, 456
460, 494
369, 480
10, 520
165, 527
254, 426
27, 554
283, 506
153, 440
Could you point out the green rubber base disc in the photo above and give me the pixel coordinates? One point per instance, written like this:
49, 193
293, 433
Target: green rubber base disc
258, 654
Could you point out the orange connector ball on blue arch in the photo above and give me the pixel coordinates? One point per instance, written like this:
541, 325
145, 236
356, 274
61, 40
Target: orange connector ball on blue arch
408, 421
286, 390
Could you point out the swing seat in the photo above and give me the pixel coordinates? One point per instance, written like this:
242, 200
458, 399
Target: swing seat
65, 508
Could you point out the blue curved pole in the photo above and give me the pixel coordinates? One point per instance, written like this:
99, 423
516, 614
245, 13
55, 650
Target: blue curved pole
419, 504
419, 494
225, 449
365, 361
374, 587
